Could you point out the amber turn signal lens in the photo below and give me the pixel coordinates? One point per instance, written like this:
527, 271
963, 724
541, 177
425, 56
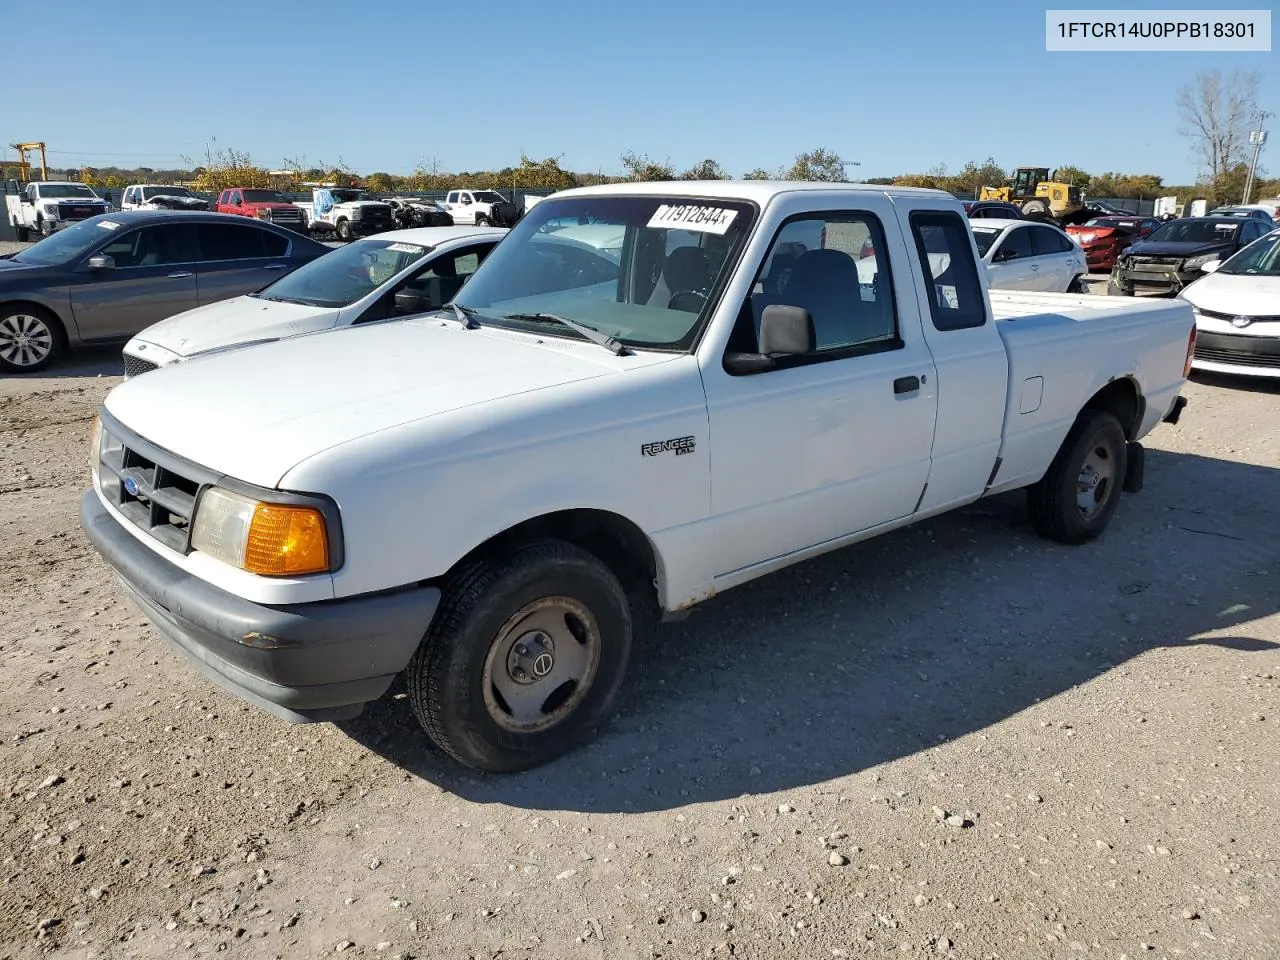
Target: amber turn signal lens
286, 541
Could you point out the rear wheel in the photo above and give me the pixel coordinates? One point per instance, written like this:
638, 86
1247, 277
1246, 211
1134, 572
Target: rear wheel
524, 658
1078, 495
1035, 208
24, 233
1078, 285
30, 339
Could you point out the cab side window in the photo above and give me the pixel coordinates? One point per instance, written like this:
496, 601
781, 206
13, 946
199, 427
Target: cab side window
833, 265
945, 249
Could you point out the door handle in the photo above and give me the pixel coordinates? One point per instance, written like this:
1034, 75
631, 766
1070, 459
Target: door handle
275, 266
906, 385
179, 275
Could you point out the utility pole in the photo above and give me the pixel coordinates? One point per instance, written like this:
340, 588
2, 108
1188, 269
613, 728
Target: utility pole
1257, 138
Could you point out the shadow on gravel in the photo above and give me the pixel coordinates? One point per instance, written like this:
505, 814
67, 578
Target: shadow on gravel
1247, 384
898, 644
87, 362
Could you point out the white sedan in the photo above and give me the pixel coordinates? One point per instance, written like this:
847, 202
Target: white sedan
1237, 308
400, 272
1026, 255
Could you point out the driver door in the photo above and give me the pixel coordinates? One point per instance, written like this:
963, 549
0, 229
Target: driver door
1012, 265
430, 287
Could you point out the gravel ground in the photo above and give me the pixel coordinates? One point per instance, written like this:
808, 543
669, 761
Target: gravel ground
955, 740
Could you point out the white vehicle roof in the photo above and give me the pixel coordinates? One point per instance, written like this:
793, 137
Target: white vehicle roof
999, 223
761, 191
158, 186
434, 236
61, 183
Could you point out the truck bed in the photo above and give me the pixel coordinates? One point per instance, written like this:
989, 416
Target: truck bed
1021, 304
1051, 343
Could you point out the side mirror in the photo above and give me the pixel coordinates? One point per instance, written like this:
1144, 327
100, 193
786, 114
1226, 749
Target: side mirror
784, 331
101, 262
408, 301
1211, 266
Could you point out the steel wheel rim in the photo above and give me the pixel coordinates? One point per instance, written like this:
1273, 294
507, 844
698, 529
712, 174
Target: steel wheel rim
25, 340
1096, 481
541, 665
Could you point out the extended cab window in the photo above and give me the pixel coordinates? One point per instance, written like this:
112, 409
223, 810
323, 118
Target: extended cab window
945, 250
834, 266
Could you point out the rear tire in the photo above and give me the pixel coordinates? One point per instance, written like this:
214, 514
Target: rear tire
1078, 285
1034, 208
481, 683
24, 233
1077, 497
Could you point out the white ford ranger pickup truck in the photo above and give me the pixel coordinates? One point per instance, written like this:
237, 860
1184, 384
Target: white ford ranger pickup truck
487, 498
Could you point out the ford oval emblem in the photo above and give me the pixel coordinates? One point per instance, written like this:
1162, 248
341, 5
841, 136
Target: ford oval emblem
131, 484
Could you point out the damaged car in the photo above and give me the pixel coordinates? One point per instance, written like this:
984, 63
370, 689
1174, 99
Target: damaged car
1171, 257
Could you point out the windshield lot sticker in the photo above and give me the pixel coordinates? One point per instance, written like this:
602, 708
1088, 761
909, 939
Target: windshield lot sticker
681, 446
404, 248
108, 225
693, 217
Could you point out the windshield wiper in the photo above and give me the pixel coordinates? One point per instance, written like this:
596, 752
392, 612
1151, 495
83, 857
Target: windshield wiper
591, 333
466, 315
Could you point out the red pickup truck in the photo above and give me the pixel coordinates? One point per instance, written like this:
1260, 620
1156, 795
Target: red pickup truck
262, 205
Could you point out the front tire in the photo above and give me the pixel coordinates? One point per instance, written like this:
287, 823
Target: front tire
524, 659
481, 220
344, 230
30, 339
1077, 497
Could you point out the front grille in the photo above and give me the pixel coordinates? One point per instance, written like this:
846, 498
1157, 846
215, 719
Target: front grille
1266, 318
134, 365
281, 215
155, 491
79, 212
1164, 263
1243, 351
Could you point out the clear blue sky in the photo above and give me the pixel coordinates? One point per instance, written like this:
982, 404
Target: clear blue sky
900, 86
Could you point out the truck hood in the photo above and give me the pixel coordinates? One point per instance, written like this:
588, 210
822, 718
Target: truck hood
1145, 248
269, 205
238, 320
256, 413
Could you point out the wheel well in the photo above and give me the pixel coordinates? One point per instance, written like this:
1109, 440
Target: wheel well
8, 306
1121, 399
617, 542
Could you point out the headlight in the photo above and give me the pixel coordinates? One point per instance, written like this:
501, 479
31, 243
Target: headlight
262, 213
1195, 263
51, 210
270, 539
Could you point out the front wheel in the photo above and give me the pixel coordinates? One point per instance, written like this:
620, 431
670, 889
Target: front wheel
29, 339
1077, 497
344, 230
481, 220
524, 658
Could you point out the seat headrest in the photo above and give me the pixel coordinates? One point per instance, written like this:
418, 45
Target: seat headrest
687, 268
818, 271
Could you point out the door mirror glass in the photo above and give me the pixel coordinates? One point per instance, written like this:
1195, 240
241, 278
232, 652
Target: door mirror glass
102, 262
415, 300
786, 331
1211, 266
1007, 253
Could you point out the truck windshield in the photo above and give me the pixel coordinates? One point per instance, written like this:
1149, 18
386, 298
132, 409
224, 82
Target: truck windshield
488, 196
340, 278
55, 191
644, 270
1260, 259
1194, 231
149, 192
350, 196
264, 196
68, 244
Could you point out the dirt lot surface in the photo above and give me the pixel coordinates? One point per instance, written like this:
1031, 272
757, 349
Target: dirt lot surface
956, 740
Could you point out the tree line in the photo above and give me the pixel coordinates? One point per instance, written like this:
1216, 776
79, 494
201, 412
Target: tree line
1217, 112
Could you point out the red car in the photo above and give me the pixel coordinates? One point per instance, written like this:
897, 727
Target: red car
1103, 238
270, 205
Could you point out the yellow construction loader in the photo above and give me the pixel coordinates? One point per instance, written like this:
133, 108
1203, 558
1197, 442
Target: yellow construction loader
1039, 195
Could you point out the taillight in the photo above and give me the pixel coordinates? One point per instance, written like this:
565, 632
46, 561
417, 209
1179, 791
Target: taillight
1191, 350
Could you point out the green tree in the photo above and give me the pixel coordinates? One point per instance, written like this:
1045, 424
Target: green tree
640, 167
759, 173
546, 174
820, 164
915, 180
1217, 113
222, 168
705, 170
1072, 175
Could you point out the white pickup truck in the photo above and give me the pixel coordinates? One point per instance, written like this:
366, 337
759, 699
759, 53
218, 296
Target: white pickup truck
486, 498
47, 206
347, 212
473, 206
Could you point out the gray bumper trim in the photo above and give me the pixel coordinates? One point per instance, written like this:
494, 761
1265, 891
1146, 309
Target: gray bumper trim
303, 662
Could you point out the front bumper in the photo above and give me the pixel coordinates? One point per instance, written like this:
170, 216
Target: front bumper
304, 662
1171, 281
367, 228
